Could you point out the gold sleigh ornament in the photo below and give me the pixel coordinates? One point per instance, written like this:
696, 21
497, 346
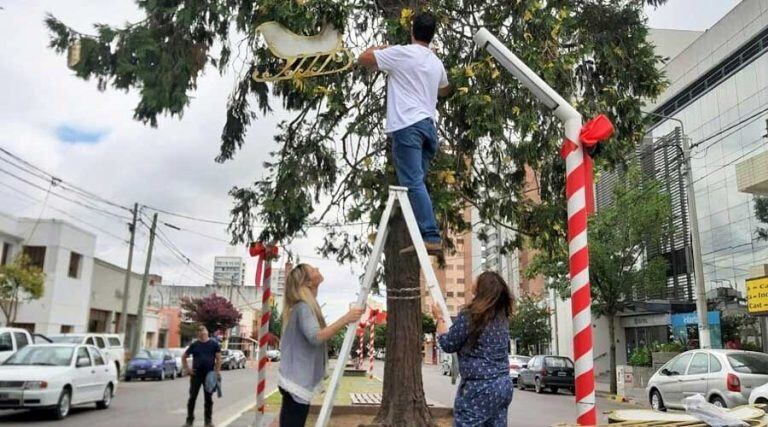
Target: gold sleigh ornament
304, 56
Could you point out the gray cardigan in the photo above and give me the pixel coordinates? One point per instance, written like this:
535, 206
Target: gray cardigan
303, 356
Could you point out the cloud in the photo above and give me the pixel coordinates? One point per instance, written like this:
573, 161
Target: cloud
170, 167
74, 135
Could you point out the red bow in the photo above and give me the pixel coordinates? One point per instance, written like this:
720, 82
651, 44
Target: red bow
268, 253
598, 129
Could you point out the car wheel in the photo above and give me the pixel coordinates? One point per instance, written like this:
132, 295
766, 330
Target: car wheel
64, 405
127, 379
537, 386
106, 399
173, 374
162, 375
520, 385
718, 401
657, 403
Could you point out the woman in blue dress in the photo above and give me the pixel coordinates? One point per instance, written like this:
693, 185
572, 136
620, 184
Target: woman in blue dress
480, 337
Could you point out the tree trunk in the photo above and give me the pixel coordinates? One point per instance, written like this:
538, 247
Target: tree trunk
612, 351
403, 403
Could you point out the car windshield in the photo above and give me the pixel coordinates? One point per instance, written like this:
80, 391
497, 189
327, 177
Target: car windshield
149, 354
558, 362
66, 339
749, 363
41, 356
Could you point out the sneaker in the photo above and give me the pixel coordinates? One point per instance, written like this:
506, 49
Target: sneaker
433, 248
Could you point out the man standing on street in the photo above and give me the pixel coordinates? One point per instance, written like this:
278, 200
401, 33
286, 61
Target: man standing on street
415, 78
206, 357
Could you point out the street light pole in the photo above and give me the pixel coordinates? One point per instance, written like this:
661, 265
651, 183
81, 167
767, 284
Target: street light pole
705, 340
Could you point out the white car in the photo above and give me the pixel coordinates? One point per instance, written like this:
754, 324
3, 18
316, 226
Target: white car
55, 377
110, 345
12, 340
759, 395
273, 355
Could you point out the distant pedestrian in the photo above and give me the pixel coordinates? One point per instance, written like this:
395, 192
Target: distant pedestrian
480, 337
206, 359
302, 345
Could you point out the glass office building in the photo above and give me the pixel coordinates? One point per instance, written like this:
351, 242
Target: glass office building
724, 110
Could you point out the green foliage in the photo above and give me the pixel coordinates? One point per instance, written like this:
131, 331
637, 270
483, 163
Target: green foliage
594, 53
335, 343
619, 238
530, 325
380, 340
734, 326
761, 213
428, 325
640, 356
275, 322
19, 281
668, 347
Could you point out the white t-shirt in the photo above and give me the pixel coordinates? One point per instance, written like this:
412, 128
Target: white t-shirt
414, 75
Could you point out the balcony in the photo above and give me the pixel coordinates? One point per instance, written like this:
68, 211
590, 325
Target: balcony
752, 174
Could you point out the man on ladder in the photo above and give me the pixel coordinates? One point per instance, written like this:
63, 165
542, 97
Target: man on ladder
416, 77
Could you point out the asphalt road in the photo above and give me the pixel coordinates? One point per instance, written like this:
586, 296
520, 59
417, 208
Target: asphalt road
154, 404
528, 409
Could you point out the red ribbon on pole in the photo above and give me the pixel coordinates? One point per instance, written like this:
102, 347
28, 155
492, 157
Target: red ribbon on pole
592, 133
258, 249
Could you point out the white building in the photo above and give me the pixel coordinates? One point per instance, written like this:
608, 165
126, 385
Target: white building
65, 254
106, 305
278, 288
488, 256
229, 270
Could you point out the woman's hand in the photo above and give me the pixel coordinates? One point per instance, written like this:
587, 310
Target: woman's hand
437, 314
354, 314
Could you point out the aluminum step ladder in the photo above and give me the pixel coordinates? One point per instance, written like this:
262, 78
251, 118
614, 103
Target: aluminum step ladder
397, 195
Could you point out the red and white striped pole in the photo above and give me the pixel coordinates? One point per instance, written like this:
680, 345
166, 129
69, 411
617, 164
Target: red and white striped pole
371, 348
361, 349
265, 256
581, 203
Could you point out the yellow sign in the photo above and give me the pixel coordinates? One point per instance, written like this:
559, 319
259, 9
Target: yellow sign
757, 295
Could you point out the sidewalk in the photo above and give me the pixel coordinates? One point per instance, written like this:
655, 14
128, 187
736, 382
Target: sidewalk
246, 419
633, 395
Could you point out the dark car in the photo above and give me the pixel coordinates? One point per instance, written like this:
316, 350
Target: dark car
157, 364
545, 373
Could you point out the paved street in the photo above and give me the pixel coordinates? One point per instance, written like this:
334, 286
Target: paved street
154, 404
528, 409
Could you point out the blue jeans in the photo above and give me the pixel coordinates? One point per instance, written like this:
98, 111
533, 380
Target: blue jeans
413, 148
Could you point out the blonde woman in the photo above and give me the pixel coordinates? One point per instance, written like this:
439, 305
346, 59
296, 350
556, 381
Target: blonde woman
302, 346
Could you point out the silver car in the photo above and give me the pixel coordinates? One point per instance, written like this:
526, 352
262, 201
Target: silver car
724, 377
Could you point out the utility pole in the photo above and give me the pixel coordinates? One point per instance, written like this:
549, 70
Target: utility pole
123, 325
702, 311
705, 340
135, 345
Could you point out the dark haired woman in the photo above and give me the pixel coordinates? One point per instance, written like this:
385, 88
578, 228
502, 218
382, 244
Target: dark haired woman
480, 336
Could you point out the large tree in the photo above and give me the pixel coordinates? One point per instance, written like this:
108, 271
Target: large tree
529, 325
621, 237
761, 213
19, 281
332, 162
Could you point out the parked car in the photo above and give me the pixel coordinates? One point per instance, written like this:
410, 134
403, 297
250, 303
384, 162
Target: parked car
110, 344
55, 377
725, 378
13, 340
273, 355
545, 373
157, 364
515, 364
381, 354
233, 359
759, 395
177, 353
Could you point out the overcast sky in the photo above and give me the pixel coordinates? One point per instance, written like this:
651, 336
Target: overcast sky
88, 138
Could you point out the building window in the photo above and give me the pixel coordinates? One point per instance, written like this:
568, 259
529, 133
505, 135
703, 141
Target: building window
74, 264
36, 255
460, 294
450, 294
460, 280
6, 256
460, 267
66, 329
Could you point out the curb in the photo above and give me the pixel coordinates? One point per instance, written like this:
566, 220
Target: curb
247, 408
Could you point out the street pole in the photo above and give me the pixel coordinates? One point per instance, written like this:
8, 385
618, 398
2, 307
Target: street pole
135, 345
702, 311
123, 324
705, 340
